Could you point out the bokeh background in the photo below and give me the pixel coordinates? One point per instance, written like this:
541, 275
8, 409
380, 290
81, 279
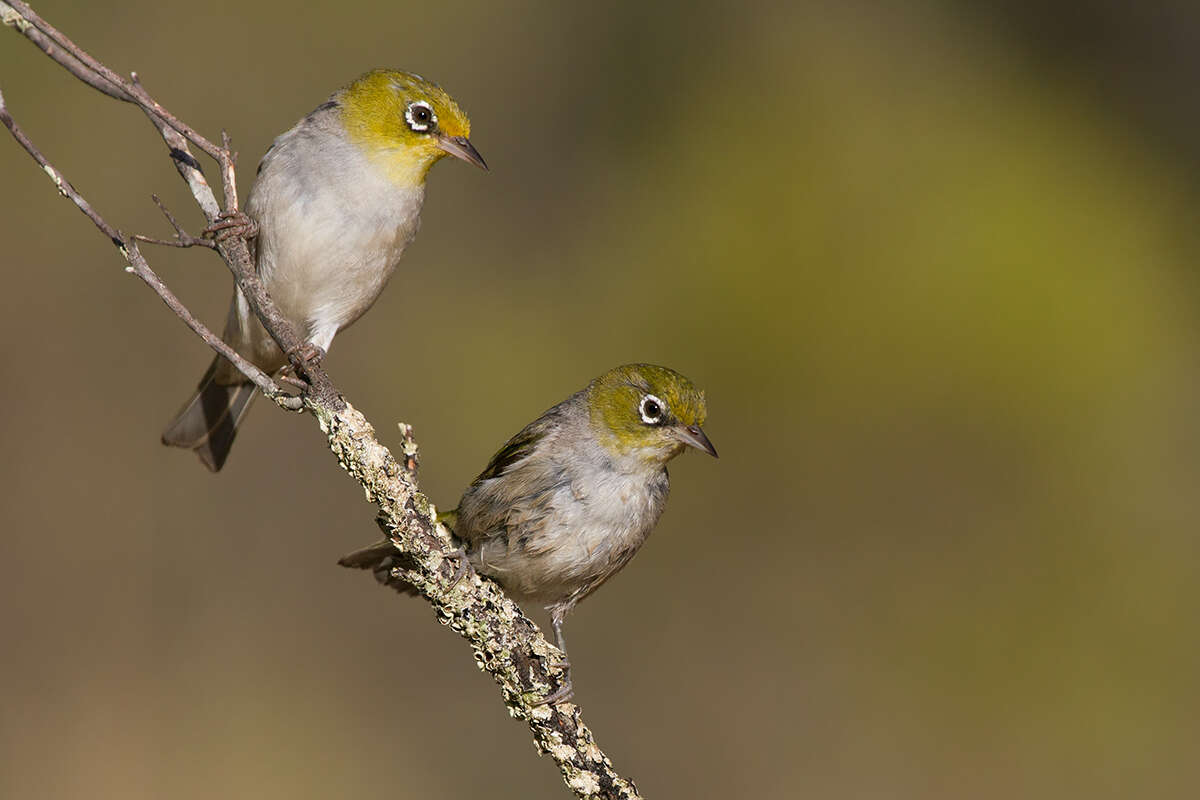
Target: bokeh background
934, 264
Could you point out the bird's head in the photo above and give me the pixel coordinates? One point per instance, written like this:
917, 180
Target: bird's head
405, 122
647, 412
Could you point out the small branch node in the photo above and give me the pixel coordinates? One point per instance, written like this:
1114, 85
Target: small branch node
408, 446
231, 224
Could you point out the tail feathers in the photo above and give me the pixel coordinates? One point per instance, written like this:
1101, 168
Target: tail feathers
209, 421
381, 558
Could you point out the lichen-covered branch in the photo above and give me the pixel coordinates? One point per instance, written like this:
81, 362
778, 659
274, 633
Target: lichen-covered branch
506, 644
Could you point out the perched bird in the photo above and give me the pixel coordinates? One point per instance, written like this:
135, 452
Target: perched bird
336, 201
568, 501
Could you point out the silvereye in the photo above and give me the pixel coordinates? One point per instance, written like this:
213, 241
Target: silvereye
565, 503
336, 201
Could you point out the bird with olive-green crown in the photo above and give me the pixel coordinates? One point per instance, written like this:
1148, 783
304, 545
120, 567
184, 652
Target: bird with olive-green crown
569, 500
336, 201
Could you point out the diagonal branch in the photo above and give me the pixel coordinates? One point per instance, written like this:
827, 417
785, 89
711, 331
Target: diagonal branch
176, 134
21, 17
505, 643
182, 237
138, 266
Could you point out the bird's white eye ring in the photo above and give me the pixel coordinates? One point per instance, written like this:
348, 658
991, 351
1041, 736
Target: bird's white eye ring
419, 116
652, 409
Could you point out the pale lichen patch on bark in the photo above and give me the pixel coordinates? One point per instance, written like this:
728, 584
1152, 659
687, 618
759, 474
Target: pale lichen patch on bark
11, 18
584, 783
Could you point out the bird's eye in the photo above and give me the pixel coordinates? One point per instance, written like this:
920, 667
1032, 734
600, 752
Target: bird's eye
651, 409
419, 116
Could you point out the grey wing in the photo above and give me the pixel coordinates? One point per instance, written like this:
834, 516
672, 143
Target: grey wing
515, 490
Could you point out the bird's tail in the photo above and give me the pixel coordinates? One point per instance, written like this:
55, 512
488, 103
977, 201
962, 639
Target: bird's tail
208, 423
382, 557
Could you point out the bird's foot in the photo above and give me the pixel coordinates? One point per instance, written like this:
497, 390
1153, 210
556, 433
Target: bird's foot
229, 224
565, 690
291, 380
464, 566
306, 355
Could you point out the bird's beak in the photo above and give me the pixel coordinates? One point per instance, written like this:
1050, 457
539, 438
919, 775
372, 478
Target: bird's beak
461, 147
692, 436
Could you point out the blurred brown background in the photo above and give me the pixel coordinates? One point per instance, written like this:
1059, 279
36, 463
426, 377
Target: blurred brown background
934, 266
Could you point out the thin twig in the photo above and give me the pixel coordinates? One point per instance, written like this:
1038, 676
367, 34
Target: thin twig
92, 72
233, 250
138, 266
182, 237
114, 80
179, 241
166, 212
408, 446
10, 16
228, 160
20, 17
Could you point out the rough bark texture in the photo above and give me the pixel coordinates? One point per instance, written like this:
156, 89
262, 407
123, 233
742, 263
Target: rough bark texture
505, 643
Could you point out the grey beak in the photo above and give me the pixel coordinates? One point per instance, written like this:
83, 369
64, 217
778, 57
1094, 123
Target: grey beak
692, 436
461, 147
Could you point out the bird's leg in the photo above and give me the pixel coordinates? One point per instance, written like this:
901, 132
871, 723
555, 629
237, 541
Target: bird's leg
231, 223
286, 377
556, 619
306, 355
565, 690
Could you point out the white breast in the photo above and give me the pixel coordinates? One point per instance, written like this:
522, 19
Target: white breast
333, 228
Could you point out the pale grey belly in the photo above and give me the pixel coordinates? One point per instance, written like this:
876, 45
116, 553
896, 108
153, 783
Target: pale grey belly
330, 272
577, 546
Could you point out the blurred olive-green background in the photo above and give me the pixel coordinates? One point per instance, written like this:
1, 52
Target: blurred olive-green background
935, 268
